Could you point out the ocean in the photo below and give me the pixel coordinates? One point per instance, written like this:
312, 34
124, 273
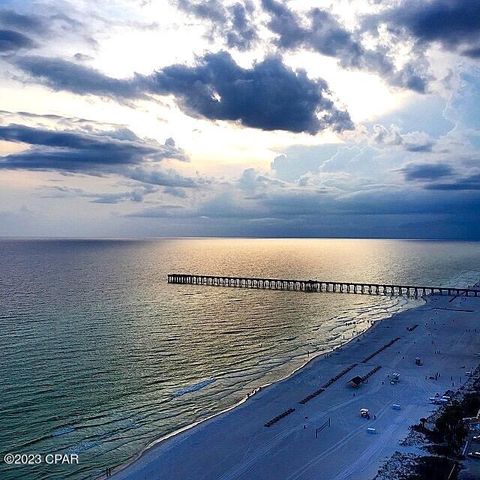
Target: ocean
100, 356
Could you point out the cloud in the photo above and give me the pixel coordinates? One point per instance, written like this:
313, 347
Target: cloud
299, 160
415, 142
376, 212
472, 52
471, 182
61, 74
162, 211
82, 57
165, 177
175, 192
60, 122
408, 202
323, 33
233, 23
43, 27
99, 153
77, 151
256, 184
12, 41
442, 177
23, 22
387, 136
115, 198
454, 24
136, 195
268, 96
423, 148
258, 204
242, 35
426, 171
208, 10
285, 23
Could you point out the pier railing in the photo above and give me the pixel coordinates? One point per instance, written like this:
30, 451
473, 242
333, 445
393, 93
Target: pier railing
318, 286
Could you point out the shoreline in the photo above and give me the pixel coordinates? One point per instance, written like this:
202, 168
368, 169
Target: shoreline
237, 445
306, 364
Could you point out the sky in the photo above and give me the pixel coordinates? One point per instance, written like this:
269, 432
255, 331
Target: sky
264, 118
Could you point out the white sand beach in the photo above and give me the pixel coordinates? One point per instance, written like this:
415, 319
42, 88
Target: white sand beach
238, 445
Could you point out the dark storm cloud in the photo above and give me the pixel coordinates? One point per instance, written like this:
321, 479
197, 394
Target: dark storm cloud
404, 201
283, 209
268, 96
61, 74
372, 202
233, 23
95, 153
426, 171
441, 177
285, 23
455, 24
472, 52
12, 41
323, 33
381, 212
471, 182
243, 34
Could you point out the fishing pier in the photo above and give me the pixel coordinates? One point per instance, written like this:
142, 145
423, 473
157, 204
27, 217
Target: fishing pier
318, 286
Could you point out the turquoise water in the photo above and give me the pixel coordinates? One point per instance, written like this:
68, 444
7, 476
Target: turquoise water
100, 356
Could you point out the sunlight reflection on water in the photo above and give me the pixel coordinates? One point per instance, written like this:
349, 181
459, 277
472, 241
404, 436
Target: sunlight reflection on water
96, 345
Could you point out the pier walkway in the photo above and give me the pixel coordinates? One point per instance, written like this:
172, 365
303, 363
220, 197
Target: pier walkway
317, 286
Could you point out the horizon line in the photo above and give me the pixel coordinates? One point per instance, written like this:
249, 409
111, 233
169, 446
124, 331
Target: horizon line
239, 237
